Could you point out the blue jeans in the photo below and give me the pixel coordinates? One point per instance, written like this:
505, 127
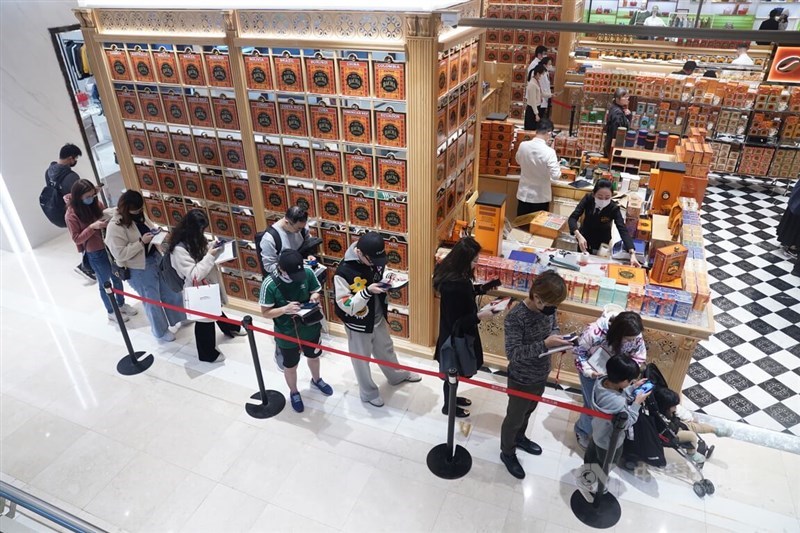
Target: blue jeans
102, 269
584, 424
149, 284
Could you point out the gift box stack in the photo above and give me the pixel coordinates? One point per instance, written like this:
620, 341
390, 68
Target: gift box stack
566, 146
756, 160
725, 156
791, 129
786, 164
772, 98
590, 136
496, 140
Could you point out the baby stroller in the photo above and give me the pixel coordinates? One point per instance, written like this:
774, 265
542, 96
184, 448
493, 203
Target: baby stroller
653, 431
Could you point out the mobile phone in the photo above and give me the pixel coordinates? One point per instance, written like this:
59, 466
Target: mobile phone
308, 305
384, 285
572, 337
155, 231
644, 388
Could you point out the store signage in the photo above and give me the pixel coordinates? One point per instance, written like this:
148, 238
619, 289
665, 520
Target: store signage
785, 67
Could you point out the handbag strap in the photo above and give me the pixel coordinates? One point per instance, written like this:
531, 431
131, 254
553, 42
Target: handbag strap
282, 288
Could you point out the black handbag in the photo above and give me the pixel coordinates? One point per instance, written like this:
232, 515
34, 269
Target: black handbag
314, 316
458, 351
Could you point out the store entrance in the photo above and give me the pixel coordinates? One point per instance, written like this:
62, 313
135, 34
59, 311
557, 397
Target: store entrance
80, 83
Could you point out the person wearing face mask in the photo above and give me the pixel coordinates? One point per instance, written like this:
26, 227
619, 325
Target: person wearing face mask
289, 233
85, 223
533, 98
599, 211
281, 297
621, 335
453, 280
128, 237
774, 22
619, 116
361, 305
531, 329
544, 85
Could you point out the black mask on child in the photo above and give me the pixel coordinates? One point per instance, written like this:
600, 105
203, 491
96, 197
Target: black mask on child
549, 310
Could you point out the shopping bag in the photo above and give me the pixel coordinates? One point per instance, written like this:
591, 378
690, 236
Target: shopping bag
202, 298
458, 351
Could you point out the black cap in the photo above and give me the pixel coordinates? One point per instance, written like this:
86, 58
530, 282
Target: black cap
371, 245
690, 65
291, 262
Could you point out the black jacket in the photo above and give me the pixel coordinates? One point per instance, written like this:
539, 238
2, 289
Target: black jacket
616, 119
596, 227
355, 305
458, 303
62, 175
769, 24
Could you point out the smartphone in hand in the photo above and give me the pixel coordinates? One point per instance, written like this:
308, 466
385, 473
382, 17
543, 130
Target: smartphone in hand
309, 305
644, 388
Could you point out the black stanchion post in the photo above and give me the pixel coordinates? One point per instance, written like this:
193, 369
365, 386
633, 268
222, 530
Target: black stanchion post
450, 461
571, 120
272, 401
133, 363
604, 510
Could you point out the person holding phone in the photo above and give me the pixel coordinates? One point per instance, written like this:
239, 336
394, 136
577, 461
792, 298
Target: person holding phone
128, 238
283, 296
531, 329
85, 222
454, 282
194, 261
612, 335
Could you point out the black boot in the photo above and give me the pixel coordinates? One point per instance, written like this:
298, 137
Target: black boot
513, 466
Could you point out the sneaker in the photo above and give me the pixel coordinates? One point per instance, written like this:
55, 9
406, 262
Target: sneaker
220, 358
126, 309
323, 387
697, 458
583, 440
413, 378
279, 359
241, 332
83, 271
723, 432
377, 402
529, 446
112, 317
167, 337
297, 401
513, 466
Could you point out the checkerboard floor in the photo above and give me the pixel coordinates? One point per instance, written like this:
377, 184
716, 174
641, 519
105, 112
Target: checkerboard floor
749, 370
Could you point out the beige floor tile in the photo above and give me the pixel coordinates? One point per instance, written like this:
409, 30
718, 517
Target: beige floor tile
225, 509
461, 513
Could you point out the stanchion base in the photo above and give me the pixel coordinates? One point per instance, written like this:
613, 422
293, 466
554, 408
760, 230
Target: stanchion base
274, 405
128, 367
604, 515
440, 463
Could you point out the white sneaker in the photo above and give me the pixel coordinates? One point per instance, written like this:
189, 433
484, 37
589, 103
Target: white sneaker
220, 358
377, 402
167, 337
413, 378
126, 309
112, 317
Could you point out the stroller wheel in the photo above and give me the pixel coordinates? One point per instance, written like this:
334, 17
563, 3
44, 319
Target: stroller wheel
699, 488
709, 451
708, 486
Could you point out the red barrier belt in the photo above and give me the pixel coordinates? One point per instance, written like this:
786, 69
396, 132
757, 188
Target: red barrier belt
559, 102
368, 359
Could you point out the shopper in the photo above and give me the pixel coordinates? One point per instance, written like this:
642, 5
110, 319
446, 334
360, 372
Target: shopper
533, 98
619, 116
85, 222
293, 235
688, 69
539, 166
281, 297
128, 237
710, 73
789, 229
613, 394
741, 56
654, 20
361, 305
61, 174
544, 85
682, 423
778, 20
531, 329
538, 54
599, 211
193, 260
453, 280
619, 334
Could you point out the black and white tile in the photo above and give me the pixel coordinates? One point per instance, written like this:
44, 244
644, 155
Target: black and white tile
750, 369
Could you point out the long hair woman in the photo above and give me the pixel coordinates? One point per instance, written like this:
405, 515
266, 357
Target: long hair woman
128, 237
453, 280
193, 260
84, 218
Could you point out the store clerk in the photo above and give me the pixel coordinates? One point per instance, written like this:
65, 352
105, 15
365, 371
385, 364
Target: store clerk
599, 211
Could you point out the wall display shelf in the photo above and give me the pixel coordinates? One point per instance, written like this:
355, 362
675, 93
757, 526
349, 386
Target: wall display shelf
244, 113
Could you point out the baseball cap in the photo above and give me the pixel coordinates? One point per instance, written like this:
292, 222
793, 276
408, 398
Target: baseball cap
371, 244
291, 262
690, 65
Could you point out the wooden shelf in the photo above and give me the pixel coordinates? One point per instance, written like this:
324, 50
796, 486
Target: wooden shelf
652, 46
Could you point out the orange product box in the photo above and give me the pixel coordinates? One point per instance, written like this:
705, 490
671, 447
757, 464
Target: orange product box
627, 275
175, 109
166, 66
252, 288
324, 122
155, 211
397, 254
269, 158
238, 191
225, 113
361, 210
293, 118
159, 144
391, 128
357, 125
304, 198
214, 187
392, 173
258, 71
220, 223
288, 73
298, 161
669, 262
244, 226
118, 64
168, 180
441, 77
547, 224
264, 116
334, 243
232, 153
393, 216
359, 169
147, 177
274, 196
328, 165
128, 104
354, 77
234, 285
191, 183
390, 80
200, 114
331, 206
151, 106
219, 69
398, 323
191, 67
320, 78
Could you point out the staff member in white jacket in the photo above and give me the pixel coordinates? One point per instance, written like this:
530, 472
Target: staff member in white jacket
128, 237
538, 167
533, 97
193, 260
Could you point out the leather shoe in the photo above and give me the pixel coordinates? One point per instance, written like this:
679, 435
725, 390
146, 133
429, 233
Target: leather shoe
529, 446
513, 466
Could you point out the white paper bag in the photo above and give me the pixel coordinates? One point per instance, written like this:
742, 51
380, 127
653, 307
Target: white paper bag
203, 298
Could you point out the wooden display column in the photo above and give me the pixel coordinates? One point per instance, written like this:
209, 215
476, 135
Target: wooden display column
422, 47
571, 11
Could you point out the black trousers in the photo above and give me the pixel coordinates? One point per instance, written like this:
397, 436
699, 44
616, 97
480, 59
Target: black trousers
530, 119
523, 208
518, 413
206, 340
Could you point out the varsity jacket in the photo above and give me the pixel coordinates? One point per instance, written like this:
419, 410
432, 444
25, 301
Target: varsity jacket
355, 305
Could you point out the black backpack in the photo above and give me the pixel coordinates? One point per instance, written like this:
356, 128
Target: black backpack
276, 238
51, 200
171, 278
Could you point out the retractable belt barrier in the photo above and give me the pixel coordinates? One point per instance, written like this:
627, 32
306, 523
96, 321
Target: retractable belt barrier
432, 373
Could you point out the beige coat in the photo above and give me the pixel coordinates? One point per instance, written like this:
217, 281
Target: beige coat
197, 271
124, 244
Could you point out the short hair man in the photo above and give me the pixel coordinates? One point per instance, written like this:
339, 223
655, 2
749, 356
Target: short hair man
538, 54
742, 58
619, 116
361, 305
688, 68
538, 167
291, 230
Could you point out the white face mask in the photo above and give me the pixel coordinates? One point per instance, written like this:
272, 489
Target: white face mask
601, 204
550, 68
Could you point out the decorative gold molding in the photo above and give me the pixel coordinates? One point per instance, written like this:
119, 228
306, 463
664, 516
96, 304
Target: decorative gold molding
470, 9
155, 22
421, 25
355, 26
85, 17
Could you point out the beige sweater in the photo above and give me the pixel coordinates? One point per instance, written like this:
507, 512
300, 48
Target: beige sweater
124, 244
195, 272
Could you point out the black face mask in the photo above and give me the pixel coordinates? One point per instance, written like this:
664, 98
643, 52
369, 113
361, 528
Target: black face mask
549, 310
138, 217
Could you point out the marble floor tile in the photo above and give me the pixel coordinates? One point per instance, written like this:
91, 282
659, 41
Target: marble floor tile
225, 509
461, 513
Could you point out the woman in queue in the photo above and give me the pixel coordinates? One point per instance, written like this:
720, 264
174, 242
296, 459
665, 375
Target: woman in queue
128, 237
606, 337
453, 280
194, 261
599, 211
85, 222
